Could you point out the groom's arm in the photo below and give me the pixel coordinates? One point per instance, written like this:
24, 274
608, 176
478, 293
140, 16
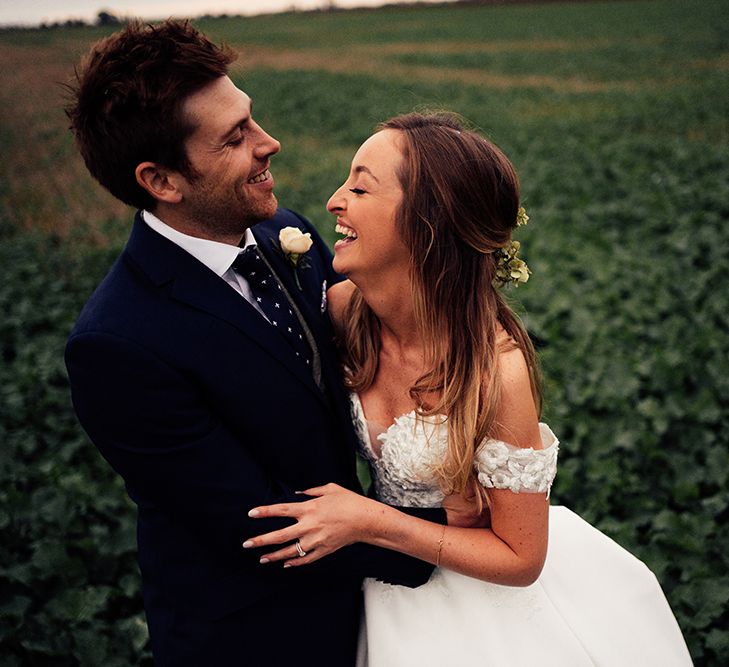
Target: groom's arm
152, 425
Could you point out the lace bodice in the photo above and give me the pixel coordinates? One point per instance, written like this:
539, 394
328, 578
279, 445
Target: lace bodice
403, 473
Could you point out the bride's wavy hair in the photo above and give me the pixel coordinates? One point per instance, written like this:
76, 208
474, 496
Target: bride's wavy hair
460, 203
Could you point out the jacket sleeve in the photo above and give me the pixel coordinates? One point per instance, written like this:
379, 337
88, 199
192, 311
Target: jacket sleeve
149, 421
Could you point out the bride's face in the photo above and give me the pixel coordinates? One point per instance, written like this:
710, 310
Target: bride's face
365, 206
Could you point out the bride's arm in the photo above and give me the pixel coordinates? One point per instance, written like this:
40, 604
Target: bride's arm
510, 552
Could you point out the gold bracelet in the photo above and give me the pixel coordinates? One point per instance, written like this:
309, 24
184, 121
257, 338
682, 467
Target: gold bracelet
440, 546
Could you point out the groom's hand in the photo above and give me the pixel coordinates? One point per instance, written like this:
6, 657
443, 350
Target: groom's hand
467, 510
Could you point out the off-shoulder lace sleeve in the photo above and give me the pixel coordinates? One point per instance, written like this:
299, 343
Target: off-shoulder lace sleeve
502, 466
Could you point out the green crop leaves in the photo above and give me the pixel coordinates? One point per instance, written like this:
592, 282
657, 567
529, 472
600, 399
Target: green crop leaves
69, 586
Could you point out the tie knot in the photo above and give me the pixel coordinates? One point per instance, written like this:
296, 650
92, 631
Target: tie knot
249, 263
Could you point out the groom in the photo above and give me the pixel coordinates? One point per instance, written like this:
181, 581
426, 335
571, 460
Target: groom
203, 367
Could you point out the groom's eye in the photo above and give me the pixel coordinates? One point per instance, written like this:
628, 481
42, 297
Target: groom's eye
357, 191
236, 139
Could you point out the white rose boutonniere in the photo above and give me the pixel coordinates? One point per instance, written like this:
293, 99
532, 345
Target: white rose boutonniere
294, 243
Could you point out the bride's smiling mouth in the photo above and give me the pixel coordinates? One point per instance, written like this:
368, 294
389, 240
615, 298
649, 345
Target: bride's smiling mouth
350, 236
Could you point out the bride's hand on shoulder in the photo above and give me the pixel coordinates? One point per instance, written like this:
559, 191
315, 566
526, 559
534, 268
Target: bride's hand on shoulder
334, 518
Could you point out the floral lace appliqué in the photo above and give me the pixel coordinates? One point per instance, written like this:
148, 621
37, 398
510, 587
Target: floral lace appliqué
403, 473
500, 465
411, 447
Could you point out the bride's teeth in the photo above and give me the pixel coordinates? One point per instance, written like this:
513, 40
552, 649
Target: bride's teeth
261, 177
349, 233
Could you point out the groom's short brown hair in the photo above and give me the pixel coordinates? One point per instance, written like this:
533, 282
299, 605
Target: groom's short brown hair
127, 101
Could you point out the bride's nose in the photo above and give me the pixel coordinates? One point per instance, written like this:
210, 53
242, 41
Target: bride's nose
336, 202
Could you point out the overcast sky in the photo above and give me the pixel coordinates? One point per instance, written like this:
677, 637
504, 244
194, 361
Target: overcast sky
30, 12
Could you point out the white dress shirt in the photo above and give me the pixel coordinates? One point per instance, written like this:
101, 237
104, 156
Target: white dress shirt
218, 257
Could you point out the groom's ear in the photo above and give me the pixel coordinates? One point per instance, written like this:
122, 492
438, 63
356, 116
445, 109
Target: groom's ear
161, 183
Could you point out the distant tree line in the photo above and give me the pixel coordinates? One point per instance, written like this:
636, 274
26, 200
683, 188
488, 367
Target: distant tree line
106, 18
103, 18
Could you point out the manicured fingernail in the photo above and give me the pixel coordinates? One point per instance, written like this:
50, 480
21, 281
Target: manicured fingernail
253, 513
264, 560
287, 565
298, 493
247, 544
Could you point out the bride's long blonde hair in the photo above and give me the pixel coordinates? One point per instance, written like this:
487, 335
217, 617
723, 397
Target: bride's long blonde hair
460, 202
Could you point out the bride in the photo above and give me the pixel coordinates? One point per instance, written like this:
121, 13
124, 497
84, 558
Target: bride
446, 398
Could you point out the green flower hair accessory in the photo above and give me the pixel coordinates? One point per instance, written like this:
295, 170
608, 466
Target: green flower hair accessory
521, 217
510, 269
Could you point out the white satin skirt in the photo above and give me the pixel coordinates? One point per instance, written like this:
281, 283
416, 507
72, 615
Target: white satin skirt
594, 604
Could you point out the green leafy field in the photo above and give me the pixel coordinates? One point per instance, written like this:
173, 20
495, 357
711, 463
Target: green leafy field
616, 116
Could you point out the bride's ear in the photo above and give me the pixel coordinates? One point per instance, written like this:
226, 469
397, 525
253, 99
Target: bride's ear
161, 183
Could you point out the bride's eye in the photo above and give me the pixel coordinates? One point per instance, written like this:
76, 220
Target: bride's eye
357, 191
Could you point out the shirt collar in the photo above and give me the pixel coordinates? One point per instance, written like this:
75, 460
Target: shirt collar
217, 256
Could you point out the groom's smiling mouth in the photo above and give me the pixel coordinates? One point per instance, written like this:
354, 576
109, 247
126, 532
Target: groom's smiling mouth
349, 233
265, 175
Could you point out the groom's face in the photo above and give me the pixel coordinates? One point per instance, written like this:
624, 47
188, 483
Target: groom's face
231, 154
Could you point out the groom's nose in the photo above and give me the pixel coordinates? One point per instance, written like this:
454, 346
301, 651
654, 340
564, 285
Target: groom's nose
266, 145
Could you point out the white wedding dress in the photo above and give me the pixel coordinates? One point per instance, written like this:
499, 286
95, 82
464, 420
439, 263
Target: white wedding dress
594, 603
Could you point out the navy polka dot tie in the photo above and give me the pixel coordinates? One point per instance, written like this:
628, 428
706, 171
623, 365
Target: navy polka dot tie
271, 299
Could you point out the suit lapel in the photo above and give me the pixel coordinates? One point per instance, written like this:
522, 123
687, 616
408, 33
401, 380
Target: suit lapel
320, 326
191, 282
286, 273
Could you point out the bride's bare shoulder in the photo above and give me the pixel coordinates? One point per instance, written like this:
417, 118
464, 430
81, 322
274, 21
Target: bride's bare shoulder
338, 297
517, 416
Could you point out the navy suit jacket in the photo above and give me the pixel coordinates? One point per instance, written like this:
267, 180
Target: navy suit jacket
205, 411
